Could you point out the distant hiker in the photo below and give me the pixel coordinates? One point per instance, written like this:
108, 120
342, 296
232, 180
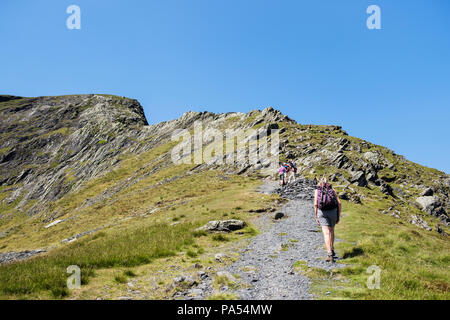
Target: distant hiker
282, 173
327, 210
287, 174
291, 172
309, 127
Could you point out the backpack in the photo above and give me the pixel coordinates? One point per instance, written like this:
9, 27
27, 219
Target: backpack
293, 166
326, 198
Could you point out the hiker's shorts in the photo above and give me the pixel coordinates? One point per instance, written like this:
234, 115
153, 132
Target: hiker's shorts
327, 217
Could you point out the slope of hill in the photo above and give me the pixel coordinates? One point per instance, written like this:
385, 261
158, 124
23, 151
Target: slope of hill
84, 180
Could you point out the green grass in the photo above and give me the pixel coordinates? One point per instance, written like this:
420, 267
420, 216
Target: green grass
220, 281
116, 249
220, 238
120, 279
191, 254
129, 273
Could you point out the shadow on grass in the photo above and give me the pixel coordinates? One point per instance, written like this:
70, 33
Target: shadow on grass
354, 253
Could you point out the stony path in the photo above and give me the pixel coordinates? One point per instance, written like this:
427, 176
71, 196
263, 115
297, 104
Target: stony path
265, 268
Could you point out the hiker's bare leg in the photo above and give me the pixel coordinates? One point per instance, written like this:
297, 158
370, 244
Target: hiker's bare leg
327, 237
332, 238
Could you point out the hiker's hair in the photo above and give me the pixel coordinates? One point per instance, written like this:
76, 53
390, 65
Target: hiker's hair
323, 181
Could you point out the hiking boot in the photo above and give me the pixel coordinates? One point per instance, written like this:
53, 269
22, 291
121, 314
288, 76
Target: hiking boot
335, 256
330, 258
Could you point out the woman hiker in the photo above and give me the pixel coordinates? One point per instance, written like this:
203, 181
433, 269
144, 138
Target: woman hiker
327, 210
282, 173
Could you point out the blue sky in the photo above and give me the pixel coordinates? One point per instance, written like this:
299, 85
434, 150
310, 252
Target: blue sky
316, 61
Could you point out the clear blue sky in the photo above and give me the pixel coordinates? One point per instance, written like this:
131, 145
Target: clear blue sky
314, 60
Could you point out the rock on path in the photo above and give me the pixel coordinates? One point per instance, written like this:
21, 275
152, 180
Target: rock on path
265, 268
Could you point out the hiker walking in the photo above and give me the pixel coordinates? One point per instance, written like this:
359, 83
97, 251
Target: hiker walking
288, 171
327, 210
282, 173
292, 171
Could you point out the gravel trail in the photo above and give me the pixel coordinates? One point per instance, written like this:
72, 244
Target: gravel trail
265, 265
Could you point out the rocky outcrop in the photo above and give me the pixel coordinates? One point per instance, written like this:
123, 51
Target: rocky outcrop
431, 205
52, 145
359, 179
223, 225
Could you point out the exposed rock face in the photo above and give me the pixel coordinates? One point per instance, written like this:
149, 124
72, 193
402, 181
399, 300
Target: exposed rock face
51, 145
359, 179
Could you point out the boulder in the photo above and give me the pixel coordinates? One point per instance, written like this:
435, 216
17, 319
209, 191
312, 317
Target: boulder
429, 204
278, 215
223, 225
